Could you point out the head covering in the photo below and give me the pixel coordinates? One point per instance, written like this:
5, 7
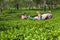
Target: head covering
49, 11
38, 13
23, 13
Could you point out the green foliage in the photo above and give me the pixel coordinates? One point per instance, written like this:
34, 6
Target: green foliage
12, 27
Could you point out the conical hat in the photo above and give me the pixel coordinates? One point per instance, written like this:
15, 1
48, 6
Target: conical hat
49, 11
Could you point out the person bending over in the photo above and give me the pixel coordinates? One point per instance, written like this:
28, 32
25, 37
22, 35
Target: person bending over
23, 16
48, 15
42, 17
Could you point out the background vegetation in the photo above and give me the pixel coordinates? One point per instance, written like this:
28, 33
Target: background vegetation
12, 27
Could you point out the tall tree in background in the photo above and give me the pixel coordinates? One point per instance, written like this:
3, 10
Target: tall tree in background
17, 4
29, 4
44, 5
37, 3
49, 4
1, 5
55, 3
7, 4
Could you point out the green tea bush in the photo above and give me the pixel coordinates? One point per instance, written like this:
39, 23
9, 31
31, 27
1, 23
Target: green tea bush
12, 27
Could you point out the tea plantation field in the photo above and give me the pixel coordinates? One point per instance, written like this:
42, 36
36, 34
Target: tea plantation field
12, 27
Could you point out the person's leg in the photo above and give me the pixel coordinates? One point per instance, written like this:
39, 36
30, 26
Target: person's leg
32, 18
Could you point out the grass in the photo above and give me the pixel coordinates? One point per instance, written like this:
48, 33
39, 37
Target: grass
12, 27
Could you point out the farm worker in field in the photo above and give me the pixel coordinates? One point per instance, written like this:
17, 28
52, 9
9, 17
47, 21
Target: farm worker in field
47, 15
37, 17
24, 16
42, 17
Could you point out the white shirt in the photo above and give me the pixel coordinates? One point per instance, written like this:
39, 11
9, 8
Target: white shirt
44, 16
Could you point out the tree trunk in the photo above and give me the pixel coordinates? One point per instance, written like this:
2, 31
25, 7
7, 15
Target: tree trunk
49, 7
55, 4
44, 6
0, 7
0, 10
17, 4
